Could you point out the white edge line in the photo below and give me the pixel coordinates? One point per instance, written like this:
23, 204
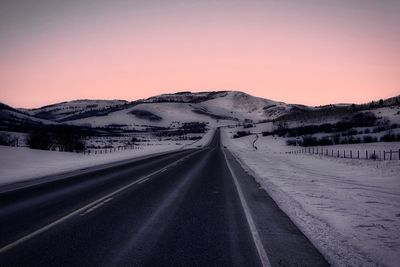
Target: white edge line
66, 217
256, 237
143, 180
96, 206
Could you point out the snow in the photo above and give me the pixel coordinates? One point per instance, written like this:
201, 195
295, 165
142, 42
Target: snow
21, 164
65, 109
236, 105
244, 106
349, 209
390, 113
169, 112
10, 114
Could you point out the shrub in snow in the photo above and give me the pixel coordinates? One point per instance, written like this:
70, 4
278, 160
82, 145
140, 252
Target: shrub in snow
68, 139
239, 134
369, 139
7, 140
291, 142
309, 141
40, 140
390, 138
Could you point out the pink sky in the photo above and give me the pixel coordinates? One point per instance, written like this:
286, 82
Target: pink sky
309, 53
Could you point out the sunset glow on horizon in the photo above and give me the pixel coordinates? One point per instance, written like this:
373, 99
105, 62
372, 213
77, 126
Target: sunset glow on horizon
307, 52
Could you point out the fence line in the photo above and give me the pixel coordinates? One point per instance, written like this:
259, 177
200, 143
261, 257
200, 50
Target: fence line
350, 153
100, 151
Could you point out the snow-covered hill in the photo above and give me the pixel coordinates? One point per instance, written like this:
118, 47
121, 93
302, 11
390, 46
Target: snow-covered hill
244, 106
13, 119
163, 110
216, 107
71, 109
169, 109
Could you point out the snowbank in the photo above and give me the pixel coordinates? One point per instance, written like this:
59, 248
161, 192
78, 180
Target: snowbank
21, 164
349, 209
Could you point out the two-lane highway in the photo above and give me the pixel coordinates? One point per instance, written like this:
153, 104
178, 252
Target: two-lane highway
187, 208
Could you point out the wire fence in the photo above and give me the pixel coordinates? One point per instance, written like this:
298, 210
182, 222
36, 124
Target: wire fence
350, 153
99, 151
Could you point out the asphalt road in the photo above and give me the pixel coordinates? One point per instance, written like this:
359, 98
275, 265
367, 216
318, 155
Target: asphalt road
188, 208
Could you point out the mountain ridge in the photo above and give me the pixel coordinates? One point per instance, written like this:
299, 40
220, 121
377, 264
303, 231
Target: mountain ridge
211, 107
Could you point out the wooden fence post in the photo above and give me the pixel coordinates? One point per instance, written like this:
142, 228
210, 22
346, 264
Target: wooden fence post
338, 155
384, 155
390, 154
351, 154
344, 153
358, 154
374, 155
366, 154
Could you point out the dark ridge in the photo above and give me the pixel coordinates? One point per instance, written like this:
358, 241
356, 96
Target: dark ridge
301, 114
211, 115
98, 112
7, 107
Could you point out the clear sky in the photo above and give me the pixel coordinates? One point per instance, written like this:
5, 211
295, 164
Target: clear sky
310, 51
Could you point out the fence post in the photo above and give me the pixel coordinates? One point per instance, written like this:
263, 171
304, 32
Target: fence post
351, 154
374, 155
384, 155
358, 154
344, 153
338, 155
366, 154
390, 154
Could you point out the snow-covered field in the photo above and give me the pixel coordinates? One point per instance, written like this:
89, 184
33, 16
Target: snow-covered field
379, 148
21, 164
350, 209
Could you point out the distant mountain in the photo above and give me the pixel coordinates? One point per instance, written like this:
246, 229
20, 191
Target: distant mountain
182, 106
338, 111
186, 97
167, 110
65, 111
17, 120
